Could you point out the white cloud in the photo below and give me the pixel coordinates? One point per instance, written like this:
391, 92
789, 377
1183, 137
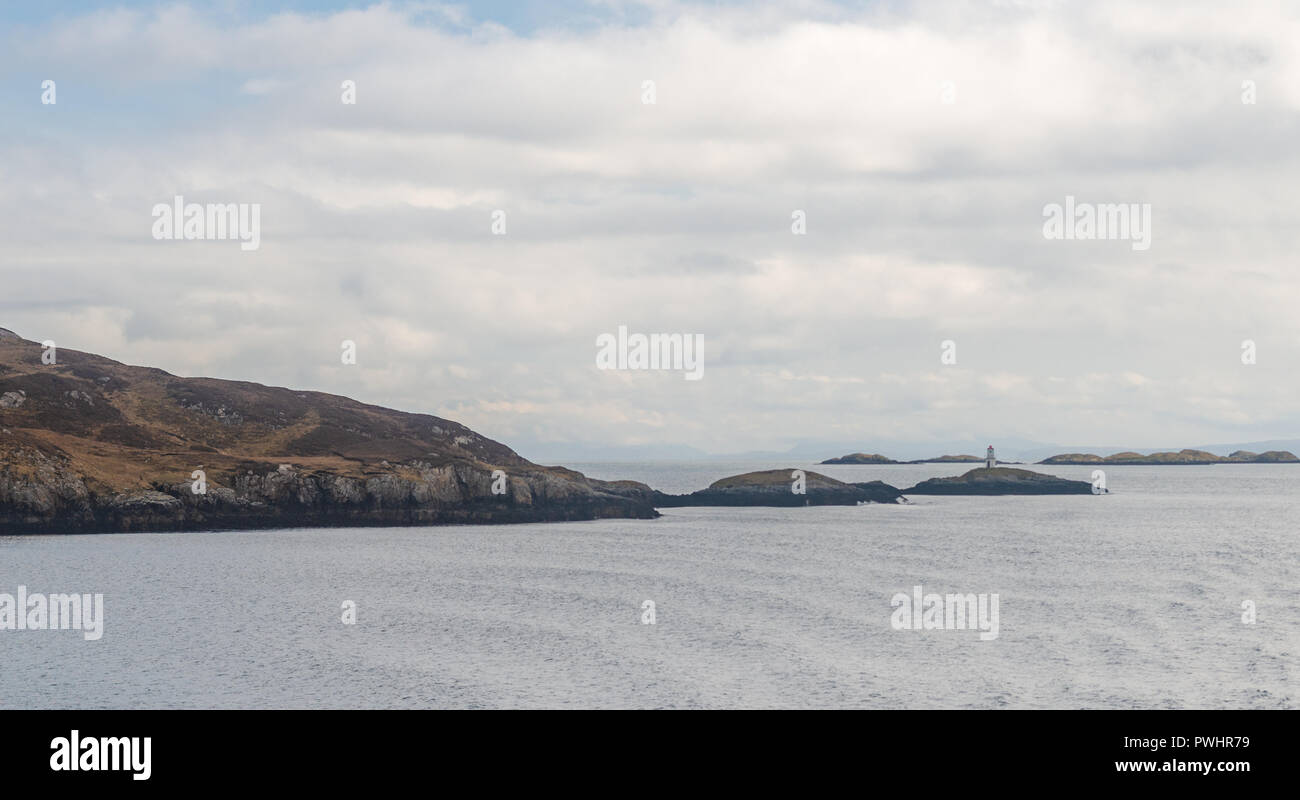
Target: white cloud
924, 219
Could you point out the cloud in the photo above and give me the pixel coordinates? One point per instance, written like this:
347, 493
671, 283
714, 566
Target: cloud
923, 217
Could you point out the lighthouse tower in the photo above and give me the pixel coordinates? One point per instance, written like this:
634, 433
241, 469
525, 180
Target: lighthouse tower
990, 460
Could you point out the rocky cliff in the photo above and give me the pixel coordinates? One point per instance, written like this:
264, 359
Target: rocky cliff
88, 444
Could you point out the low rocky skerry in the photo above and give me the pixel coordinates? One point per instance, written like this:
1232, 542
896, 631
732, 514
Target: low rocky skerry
876, 458
1188, 457
1000, 481
777, 487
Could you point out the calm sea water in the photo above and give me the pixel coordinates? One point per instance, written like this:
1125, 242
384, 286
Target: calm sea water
1130, 600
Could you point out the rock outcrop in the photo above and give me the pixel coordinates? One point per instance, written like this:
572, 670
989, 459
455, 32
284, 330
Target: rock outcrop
91, 445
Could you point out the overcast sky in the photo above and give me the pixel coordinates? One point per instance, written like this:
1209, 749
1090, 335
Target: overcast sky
924, 217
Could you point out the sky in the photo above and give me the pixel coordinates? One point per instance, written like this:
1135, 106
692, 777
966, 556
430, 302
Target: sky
922, 143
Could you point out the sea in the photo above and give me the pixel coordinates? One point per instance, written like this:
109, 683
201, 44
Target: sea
1180, 588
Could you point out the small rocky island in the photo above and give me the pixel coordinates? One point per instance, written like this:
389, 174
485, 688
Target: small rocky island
876, 458
777, 487
1000, 480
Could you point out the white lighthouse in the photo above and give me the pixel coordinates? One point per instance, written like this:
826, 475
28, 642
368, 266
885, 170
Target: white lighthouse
990, 460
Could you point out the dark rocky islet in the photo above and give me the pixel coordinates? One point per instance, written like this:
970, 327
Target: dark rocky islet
776, 487
1000, 481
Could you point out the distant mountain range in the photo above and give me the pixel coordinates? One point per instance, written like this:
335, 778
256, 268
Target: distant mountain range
1180, 457
1009, 449
1158, 458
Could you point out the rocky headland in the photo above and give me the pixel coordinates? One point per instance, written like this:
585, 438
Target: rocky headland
88, 445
